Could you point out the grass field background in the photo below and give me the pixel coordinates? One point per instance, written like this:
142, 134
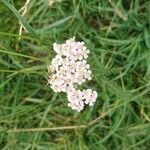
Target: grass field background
33, 117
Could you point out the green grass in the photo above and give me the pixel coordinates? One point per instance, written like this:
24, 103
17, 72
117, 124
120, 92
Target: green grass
33, 117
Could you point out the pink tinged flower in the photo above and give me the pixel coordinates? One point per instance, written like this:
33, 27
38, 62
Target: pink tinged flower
70, 68
90, 96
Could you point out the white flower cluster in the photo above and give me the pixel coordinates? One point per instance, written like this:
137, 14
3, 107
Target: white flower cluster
70, 68
78, 98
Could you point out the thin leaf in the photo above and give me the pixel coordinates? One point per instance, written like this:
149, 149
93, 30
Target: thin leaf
55, 24
26, 26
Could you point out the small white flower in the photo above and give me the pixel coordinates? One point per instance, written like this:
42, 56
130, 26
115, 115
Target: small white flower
77, 98
70, 68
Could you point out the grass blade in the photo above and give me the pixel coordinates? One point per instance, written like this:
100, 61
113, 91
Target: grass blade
25, 24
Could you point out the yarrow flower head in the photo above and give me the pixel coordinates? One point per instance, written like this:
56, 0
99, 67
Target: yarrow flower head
70, 68
77, 98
